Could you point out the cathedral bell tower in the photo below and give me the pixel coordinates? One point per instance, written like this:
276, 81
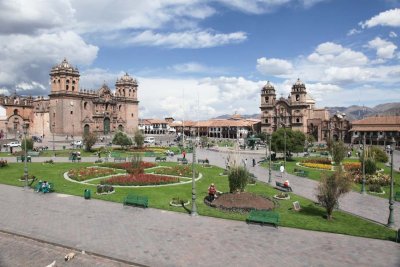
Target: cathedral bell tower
298, 93
268, 100
64, 78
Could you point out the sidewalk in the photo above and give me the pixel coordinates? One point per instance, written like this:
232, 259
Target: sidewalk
161, 238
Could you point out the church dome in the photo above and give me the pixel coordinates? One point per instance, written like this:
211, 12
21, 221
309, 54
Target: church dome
268, 86
299, 82
64, 67
127, 79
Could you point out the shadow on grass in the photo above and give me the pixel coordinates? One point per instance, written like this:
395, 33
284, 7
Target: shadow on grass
312, 210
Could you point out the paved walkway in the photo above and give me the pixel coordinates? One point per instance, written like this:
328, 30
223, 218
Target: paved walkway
160, 238
367, 206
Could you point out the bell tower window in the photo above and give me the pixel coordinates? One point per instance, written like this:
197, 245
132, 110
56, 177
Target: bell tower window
297, 97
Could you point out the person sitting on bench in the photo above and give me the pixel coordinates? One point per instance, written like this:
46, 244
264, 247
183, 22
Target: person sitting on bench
286, 183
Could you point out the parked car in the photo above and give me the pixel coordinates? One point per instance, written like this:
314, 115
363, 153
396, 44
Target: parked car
77, 143
13, 144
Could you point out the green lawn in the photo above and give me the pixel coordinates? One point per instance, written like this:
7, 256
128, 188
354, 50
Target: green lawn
310, 218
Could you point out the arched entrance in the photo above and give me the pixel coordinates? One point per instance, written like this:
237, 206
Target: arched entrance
106, 124
120, 128
86, 129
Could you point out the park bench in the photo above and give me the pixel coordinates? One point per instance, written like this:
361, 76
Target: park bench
282, 187
264, 216
397, 196
46, 189
33, 153
161, 159
22, 159
136, 200
204, 162
324, 153
74, 158
301, 173
119, 159
182, 160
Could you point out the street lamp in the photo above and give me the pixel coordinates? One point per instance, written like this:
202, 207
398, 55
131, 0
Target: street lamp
6, 123
270, 156
391, 202
25, 127
194, 207
363, 169
54, 126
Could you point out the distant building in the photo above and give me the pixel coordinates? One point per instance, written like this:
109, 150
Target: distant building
70, 110
377, 130
298, 112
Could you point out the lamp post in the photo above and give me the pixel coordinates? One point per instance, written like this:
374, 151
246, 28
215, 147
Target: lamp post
391, 219
194, 207
6, 123
270, 156
25, 128
54, 151
363, 169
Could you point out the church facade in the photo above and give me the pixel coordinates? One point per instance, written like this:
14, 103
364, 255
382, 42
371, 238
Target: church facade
70, 110
298, 112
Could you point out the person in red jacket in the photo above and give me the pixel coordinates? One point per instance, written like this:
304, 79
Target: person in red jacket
212, 192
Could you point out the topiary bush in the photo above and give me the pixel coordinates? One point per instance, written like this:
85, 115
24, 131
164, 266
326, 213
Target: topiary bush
370, 166
378, 154
375, 188
238, 178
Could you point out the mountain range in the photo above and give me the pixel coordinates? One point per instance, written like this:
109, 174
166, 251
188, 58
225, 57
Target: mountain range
353, 112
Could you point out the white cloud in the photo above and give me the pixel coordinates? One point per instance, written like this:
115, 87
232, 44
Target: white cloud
392, 34
188, 39
195, 68
273, 66
319, 90
384, 49
336, 54
346, 75
387, 18
353, 32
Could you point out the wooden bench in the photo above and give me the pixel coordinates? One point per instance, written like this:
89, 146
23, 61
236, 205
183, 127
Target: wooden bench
136, 200
282, 187
182, 160
33, 153
22, 159
161, 159
300, 172
397, 196
264, 216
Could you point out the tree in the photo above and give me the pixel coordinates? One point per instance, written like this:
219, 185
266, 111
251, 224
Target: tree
378, 154
89, 139
121, 139
294, 140
339, 151
262, 136
331, 188
204, 141
238, 178
29, 144
139, 138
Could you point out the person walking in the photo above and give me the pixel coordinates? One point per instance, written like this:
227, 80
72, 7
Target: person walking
254, 162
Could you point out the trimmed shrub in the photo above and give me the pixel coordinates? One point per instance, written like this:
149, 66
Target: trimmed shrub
238, 179
378, 154
370, 166
375, 188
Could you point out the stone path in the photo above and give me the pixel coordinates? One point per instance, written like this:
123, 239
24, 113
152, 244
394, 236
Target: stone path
160, 238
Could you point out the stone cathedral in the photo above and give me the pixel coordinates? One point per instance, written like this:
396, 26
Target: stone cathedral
70, 110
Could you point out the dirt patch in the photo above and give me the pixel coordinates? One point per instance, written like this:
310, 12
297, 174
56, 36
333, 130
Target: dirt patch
242, 202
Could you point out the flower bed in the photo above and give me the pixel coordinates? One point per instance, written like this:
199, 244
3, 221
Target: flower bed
352, 166
282, 196
377, 178
317, 166
179, 170
140, 179
317, 161
83, 174
128, 165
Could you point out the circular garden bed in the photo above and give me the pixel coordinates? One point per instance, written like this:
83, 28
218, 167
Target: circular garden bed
241, 202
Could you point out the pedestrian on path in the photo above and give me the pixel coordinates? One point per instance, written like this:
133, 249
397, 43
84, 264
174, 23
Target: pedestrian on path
282, 169
254, 162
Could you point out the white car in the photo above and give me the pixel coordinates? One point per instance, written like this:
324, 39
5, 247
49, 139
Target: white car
77, 143
13, 144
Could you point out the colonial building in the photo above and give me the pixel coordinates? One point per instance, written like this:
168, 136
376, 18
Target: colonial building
376, 130
298, 112
70, 110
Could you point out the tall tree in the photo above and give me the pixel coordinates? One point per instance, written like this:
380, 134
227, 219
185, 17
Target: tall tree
139, 138
89, 139
294, 140
331, 188
338, 151
121, 139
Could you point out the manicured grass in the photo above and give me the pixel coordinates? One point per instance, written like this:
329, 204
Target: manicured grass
311, 217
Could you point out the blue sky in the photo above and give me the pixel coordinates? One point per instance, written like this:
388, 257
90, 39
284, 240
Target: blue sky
200, 59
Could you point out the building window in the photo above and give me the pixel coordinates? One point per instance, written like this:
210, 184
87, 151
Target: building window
119, 108
85, 105
15, 111
297, 120
66, 87
297, 97
266, 121
132, 114
266, 99
72, 112
73, 88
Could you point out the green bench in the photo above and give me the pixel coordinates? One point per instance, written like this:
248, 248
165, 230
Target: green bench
397, 196
22, 159
282, 187
161, 159
182, 160
301, 173
264, 216
136, 200
324, 153
74, 158
33, 153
